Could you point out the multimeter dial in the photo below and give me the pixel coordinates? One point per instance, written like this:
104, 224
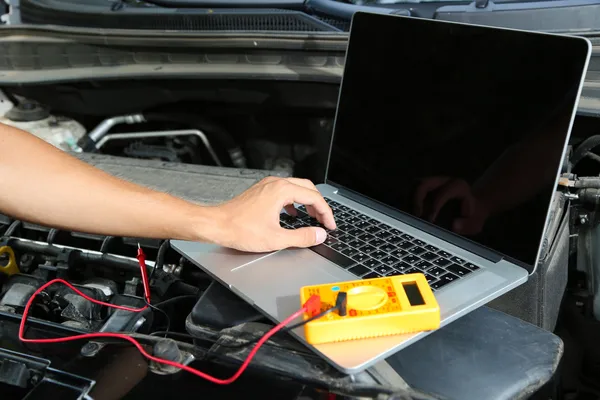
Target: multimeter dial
364, 298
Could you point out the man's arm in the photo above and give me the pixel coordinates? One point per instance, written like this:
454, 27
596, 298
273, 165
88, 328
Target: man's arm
44, 185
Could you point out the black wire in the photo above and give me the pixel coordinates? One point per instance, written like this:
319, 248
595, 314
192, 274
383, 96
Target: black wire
160, 259
175, 299
193, 338
168, 320
286, 329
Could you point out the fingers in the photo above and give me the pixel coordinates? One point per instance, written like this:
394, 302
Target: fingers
309, 197
319, 209
424, 188
303, 237
309, 185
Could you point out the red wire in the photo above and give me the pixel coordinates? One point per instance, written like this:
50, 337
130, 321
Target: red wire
142, 261
135, 342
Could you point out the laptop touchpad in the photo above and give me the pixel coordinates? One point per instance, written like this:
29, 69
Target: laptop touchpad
273, 283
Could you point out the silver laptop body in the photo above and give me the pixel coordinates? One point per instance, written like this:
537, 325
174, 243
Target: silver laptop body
469, 271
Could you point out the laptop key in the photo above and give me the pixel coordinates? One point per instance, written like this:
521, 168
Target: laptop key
383, 269
417, 250
471, 266
439, 284
360, 257
395, 240
423, 265
395, 273
445, 254
376, 242
429, 256
366, 237
405, 245
436, 271
389, 260
333, 256
349, 251
410, 259
388, 247
456, 260
372, 263
431, 248
378, 254
334, 234
395, 232
330, 241
413, 271
339, 246
430, 278
383, 234
359, 270
449, 277
458, 270
406, 236
372, 229
352, 220
354, 232
371, 275
355, 243
402, 266
441, 262
367, 248
362, 224
398, 253
419, 242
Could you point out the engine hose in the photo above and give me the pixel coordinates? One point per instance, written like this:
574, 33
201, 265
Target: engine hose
210, 128
13, 228
587, 182
52, 236
583, 148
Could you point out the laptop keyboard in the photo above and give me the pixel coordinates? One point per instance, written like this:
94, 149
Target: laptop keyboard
369, 248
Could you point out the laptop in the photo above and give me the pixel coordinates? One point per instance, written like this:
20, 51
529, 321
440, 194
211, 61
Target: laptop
445, 156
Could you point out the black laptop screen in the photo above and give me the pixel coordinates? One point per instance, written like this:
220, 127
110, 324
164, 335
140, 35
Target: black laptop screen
461, 126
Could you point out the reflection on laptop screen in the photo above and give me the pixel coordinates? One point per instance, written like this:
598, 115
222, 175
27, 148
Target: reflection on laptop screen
431, 113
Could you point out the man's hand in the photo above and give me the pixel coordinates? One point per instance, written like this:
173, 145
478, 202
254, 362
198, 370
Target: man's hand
250, 222
438, 191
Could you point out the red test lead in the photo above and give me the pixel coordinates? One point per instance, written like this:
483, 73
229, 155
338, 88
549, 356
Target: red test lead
141, 257
310, 306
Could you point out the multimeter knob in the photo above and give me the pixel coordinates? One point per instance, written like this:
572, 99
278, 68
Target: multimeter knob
366, 298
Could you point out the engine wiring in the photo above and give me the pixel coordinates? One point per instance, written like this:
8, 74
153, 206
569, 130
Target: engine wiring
312, 307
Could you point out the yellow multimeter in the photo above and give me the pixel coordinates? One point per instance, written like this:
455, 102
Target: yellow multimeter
375, 307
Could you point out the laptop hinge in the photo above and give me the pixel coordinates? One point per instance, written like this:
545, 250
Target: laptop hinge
449, 237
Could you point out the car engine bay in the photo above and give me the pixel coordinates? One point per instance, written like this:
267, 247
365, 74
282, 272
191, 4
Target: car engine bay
187, 137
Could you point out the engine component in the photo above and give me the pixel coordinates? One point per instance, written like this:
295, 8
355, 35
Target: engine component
10, 267
18, 289
144, 135
59, 131
167, 349
75, 308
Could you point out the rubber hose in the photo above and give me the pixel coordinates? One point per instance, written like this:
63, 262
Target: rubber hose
583, 148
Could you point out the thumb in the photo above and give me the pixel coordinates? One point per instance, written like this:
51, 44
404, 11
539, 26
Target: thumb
304, 237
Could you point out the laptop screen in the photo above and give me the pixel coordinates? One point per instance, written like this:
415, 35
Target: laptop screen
461, 126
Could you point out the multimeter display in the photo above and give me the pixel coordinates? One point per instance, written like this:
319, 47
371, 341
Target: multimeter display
413, 294
375, 307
